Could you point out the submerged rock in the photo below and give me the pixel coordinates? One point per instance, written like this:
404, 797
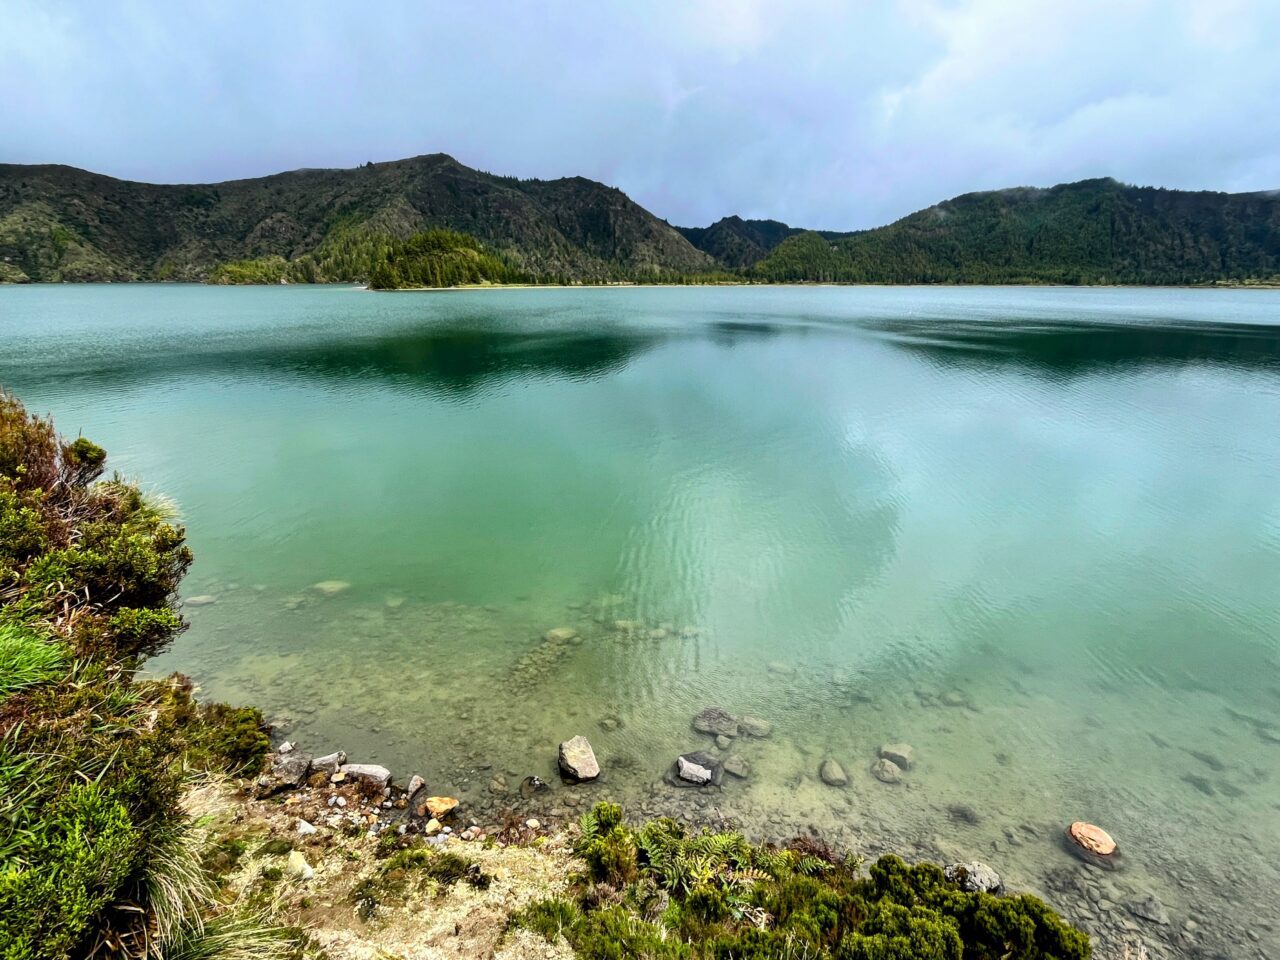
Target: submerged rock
533, 786
755, 727
1149, 909
975, 877
203, 600
331, 588
886, 771
577, 760
724, 742
560, 635
737, 766
902, 754
716, 721
1093, 845
832, 773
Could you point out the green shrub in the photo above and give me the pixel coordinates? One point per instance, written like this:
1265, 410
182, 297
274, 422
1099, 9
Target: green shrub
732, 900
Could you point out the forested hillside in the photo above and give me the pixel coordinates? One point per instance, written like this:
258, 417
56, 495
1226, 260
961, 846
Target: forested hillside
315, 226
1094, 231
60, 223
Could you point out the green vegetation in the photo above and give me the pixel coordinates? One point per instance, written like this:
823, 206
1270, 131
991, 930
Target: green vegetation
440, 258
95, 857
1092, 232
658, 892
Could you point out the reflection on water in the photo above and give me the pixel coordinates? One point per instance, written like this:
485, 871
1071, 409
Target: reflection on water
1033, 533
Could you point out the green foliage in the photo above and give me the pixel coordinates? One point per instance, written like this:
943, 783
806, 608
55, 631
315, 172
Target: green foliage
266, 270
94, 852
440, 258
27, 659
1091, 232
732, 899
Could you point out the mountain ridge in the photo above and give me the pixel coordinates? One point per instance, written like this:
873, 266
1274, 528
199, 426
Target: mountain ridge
319, 224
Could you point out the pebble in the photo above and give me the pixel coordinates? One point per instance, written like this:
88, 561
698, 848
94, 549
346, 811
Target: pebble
532, 823
832, 774
886, 771
305, 828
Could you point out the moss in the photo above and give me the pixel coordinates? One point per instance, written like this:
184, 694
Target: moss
275, 847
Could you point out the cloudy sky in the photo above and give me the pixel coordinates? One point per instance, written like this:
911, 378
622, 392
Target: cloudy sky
821, 113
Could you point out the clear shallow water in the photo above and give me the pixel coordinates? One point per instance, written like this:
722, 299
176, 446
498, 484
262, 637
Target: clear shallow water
1033, 532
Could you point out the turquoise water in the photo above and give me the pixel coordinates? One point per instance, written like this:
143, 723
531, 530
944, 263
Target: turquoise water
1033, 532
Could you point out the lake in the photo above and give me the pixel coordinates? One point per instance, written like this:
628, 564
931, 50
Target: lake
1033, 532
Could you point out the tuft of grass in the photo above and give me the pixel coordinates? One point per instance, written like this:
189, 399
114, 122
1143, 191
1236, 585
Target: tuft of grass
27, 660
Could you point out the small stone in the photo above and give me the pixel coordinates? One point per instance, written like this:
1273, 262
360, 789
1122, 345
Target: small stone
886, 771
285, 747
532, 786
305, 828
724, 742
903, 754
498, 786
832, 773
331, 588
755, 727
696, 769
610, 724
532, 823
577, 760
1149, 909
974, 877
432, 827
297, 866
416, 783
560, 635
716, 721
342, 801
370, 773
203, 600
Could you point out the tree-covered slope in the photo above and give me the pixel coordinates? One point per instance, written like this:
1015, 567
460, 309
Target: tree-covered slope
1094, 231
61, 223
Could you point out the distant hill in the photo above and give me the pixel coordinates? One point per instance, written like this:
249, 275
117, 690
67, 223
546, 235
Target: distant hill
1093, 231
737, 243
61, 223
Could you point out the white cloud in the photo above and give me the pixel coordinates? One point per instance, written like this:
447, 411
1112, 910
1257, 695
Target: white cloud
819, 112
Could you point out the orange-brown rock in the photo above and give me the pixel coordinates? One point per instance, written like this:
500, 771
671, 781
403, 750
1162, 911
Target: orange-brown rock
437, 807
1092, 838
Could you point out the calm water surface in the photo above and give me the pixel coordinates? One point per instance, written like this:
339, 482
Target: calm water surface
1033, 532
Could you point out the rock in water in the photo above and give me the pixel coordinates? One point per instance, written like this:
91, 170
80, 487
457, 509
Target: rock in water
560, 635
737, 766
532, 786
723, 742
903, 754
1151, 910
697, 769
373, 774
692, 772
331, 588
975, 877
1092, 844
755, 727
436, 807
201, 601
578, 760
886, 771
717, 722
832, 773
